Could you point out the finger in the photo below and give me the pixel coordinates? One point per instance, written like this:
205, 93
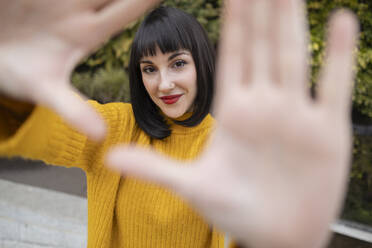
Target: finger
72, 108
115, 15
260, 38
290, 68
95, 4
247, 47
230, 67
149, 166
230, 49
338, 74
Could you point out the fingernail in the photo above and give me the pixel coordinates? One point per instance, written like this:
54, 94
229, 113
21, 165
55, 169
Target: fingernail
345, 25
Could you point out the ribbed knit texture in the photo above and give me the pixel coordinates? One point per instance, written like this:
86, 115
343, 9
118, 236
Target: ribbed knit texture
122, 212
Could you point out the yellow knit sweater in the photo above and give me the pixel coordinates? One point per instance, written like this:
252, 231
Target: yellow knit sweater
122, 211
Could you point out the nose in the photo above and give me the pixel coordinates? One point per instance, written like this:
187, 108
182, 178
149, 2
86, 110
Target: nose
166, 82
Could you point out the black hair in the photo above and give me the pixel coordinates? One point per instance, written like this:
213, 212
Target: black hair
170, 29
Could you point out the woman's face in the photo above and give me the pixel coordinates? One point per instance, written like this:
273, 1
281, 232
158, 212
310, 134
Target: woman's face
170, 80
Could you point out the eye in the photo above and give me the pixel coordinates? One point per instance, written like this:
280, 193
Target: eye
148, 69
179, 63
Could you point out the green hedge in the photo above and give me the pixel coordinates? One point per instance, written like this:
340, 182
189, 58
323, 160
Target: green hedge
103, 77
319, 12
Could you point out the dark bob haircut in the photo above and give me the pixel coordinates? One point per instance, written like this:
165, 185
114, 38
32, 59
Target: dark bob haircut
170, 29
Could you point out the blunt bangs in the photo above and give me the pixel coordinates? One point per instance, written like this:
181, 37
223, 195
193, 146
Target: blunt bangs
168, 35
171, 30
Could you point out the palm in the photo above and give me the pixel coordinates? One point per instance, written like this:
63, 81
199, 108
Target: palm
282, 165
42, 41
45, 61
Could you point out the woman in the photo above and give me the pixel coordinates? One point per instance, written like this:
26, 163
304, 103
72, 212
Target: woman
171, 75
262, 179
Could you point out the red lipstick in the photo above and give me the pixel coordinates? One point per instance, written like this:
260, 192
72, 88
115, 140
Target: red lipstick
170, 99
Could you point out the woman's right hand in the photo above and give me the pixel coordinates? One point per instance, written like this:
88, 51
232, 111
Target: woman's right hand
41, 41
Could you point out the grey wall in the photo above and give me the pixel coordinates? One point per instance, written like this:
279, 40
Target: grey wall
32, 217
67, 180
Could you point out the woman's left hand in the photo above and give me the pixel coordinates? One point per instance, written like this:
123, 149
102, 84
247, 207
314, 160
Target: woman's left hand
41, 42
276, 168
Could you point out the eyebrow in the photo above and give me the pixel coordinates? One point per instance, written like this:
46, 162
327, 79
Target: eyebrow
174, 55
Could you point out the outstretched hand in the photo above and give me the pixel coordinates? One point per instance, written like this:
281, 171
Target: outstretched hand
41, 41
275, 172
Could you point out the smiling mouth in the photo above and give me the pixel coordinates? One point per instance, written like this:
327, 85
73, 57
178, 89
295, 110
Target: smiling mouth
171, 99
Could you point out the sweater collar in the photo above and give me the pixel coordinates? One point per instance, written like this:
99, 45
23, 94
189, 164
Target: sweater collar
207, 122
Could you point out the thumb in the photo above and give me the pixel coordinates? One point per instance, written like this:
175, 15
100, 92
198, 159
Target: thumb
70, 105
150, 166
116, 14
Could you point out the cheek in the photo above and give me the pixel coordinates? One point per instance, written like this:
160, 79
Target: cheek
187, 80
149, 87
193, 83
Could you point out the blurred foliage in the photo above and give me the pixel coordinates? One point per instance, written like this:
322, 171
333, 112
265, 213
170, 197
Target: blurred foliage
102, 76
319, 12
358, 205
109, 85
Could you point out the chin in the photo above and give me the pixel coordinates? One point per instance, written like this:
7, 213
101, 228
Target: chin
174, 114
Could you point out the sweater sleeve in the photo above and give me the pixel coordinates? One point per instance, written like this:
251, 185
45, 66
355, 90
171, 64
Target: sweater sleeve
37, 133
235, 245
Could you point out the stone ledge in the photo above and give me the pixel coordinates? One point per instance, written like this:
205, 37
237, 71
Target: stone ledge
32, 217
353, 230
